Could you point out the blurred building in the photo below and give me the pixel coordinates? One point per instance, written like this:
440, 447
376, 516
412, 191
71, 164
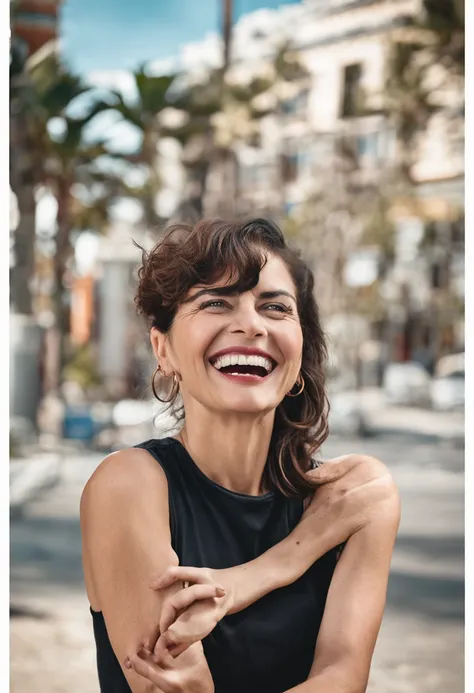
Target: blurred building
124, 353
35, 22
344, 47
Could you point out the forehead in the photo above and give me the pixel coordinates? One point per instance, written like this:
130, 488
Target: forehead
274, 274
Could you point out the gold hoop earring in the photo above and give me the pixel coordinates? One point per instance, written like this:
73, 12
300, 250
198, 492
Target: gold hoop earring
299, 382
173, 393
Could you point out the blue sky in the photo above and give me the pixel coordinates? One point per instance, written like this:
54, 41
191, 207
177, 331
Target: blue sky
120, 34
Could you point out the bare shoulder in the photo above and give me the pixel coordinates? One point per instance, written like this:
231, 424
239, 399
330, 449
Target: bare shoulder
121, 476
126, 495
364, 467
365, 477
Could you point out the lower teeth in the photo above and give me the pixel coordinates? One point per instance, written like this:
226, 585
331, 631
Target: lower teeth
245, 374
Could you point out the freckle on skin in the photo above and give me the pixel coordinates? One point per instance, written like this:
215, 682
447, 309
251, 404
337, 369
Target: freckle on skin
297, 543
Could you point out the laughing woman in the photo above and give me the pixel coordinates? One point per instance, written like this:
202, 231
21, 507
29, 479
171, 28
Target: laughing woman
273, 604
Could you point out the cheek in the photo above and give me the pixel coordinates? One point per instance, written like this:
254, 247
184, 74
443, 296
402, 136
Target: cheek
291, 344
191, 342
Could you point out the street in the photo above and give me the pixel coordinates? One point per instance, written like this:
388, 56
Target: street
420, 648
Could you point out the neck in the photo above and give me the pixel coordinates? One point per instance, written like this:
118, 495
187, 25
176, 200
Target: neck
231, 450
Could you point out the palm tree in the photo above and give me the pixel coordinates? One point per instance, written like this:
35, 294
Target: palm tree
411, 98
144, 113
70, 162
24, 165
58, 163
40, 90
223, 114
408, 101
444, 20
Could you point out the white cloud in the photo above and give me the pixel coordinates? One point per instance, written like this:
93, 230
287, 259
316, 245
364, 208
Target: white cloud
164, 66
206, 53
121, 80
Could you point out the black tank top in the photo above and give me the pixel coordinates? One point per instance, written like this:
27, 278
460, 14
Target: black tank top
268, 647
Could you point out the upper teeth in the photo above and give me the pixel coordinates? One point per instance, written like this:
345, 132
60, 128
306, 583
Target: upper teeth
241, 360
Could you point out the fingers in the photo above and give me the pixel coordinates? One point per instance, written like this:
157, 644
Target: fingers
332, 470
150, 641
167, 643
149, 670
200, 576
183, 599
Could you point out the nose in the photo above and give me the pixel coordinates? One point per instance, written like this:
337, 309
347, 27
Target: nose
248, 321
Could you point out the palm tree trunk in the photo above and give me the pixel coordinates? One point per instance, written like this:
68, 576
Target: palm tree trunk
227, 31
225, 159
60, 307
24, 251
23, 185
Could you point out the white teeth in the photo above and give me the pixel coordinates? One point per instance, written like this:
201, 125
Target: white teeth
243, 360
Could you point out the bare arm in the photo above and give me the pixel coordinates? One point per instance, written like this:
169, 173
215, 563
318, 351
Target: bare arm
352, 490
126, 537
354, 607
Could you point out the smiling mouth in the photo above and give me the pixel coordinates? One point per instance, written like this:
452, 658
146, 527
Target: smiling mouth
258, 367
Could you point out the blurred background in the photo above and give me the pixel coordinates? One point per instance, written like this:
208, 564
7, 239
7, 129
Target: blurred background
342, 120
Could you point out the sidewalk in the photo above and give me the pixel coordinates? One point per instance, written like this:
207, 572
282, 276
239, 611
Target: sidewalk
37, 470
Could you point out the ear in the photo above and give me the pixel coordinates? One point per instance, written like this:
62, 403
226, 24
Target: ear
159, 344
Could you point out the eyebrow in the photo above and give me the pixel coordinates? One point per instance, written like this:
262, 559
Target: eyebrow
224, 291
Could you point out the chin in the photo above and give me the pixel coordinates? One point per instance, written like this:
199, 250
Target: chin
251, 403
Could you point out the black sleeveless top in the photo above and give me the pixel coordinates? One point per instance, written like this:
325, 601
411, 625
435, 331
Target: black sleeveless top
269, 646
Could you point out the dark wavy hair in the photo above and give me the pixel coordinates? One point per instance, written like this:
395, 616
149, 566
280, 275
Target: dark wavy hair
204, 254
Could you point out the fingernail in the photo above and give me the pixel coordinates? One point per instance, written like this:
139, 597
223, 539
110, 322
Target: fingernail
127, 664
220, 591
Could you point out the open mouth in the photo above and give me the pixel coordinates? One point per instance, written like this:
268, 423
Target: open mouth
240, 365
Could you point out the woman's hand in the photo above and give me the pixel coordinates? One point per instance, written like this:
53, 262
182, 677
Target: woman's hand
191, 614
188, 673
351, 490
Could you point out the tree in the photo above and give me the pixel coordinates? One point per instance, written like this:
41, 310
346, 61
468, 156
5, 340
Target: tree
24, 174
444, 21
144, 113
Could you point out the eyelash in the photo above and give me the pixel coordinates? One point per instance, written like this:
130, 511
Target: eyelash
279, 306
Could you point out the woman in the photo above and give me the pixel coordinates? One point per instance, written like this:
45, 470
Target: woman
235, 330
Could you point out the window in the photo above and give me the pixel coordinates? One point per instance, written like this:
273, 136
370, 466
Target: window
351, 98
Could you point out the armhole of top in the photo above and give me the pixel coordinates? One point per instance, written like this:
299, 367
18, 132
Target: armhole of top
150, 449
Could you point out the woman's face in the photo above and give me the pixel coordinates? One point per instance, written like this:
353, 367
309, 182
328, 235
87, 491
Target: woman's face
236, 352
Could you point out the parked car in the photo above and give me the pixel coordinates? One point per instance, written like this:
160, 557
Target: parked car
407, 383
448, 384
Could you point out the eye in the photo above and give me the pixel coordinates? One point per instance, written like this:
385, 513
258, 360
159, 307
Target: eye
216, 303
278, 308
